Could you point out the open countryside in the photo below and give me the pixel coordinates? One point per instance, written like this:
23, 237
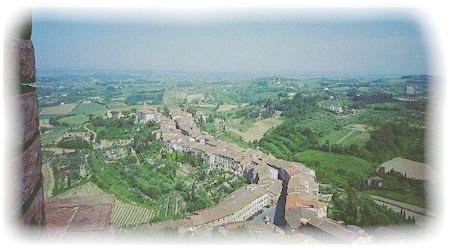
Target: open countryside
247, 129
125, 150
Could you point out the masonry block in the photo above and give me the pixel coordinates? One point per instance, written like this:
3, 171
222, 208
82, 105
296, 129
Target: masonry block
26, 62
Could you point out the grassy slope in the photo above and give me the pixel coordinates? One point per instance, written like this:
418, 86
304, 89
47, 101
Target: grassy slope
335, 168
89, 108
74, 120
355, 137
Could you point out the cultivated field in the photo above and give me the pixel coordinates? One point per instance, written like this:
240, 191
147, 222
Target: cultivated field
59, 151
174, 97
90, 108
205, 105
115, 104
59, 110
190, 98
74, 120
83, 190
412, 169
44, 123
125, 214
52, 136
227, 107
346, 137
109, 143
259, 128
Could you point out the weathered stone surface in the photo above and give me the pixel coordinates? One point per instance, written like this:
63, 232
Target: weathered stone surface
29, 115
26, 63
59, 218
94, 218
21, 68
81, 214
30, 170
35, 214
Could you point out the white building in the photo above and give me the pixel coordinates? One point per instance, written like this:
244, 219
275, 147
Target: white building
146, 114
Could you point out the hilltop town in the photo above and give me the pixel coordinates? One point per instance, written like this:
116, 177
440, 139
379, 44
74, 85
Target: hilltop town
289, 187
281, 193
185, 161
298, 163
302, 157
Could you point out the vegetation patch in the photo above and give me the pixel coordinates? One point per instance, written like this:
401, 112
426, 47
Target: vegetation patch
259, 128
346, 137
58, 110
76, 143
356, 208
172, 97
338, 169
233, 138
90, 108
73, 120
227, 107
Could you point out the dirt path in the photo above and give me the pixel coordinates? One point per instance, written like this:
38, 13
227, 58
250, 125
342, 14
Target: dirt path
49, 181
135, 155
91, 131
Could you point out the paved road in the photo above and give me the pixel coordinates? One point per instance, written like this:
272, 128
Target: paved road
407, 206
418, 213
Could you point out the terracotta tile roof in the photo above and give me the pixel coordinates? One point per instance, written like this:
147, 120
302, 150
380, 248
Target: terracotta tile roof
333, 228
297, 200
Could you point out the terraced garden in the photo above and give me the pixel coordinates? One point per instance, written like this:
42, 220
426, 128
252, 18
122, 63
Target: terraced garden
126, 214
346, 137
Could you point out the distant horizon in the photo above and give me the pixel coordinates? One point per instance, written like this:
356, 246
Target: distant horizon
255, 73
382, 43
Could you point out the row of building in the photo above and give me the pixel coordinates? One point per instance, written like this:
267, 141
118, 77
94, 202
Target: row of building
302, 211
179, 132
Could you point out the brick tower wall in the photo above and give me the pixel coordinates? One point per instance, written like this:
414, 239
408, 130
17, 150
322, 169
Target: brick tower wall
31, 196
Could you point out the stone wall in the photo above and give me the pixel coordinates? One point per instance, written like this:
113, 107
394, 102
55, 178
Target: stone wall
29, 158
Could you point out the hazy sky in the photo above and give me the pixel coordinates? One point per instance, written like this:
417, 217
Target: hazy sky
241, 41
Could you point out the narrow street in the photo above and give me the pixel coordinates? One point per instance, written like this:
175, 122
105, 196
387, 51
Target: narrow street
279, 216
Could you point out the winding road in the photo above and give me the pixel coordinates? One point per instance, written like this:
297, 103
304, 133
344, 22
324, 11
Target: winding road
91, 131
422, 217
